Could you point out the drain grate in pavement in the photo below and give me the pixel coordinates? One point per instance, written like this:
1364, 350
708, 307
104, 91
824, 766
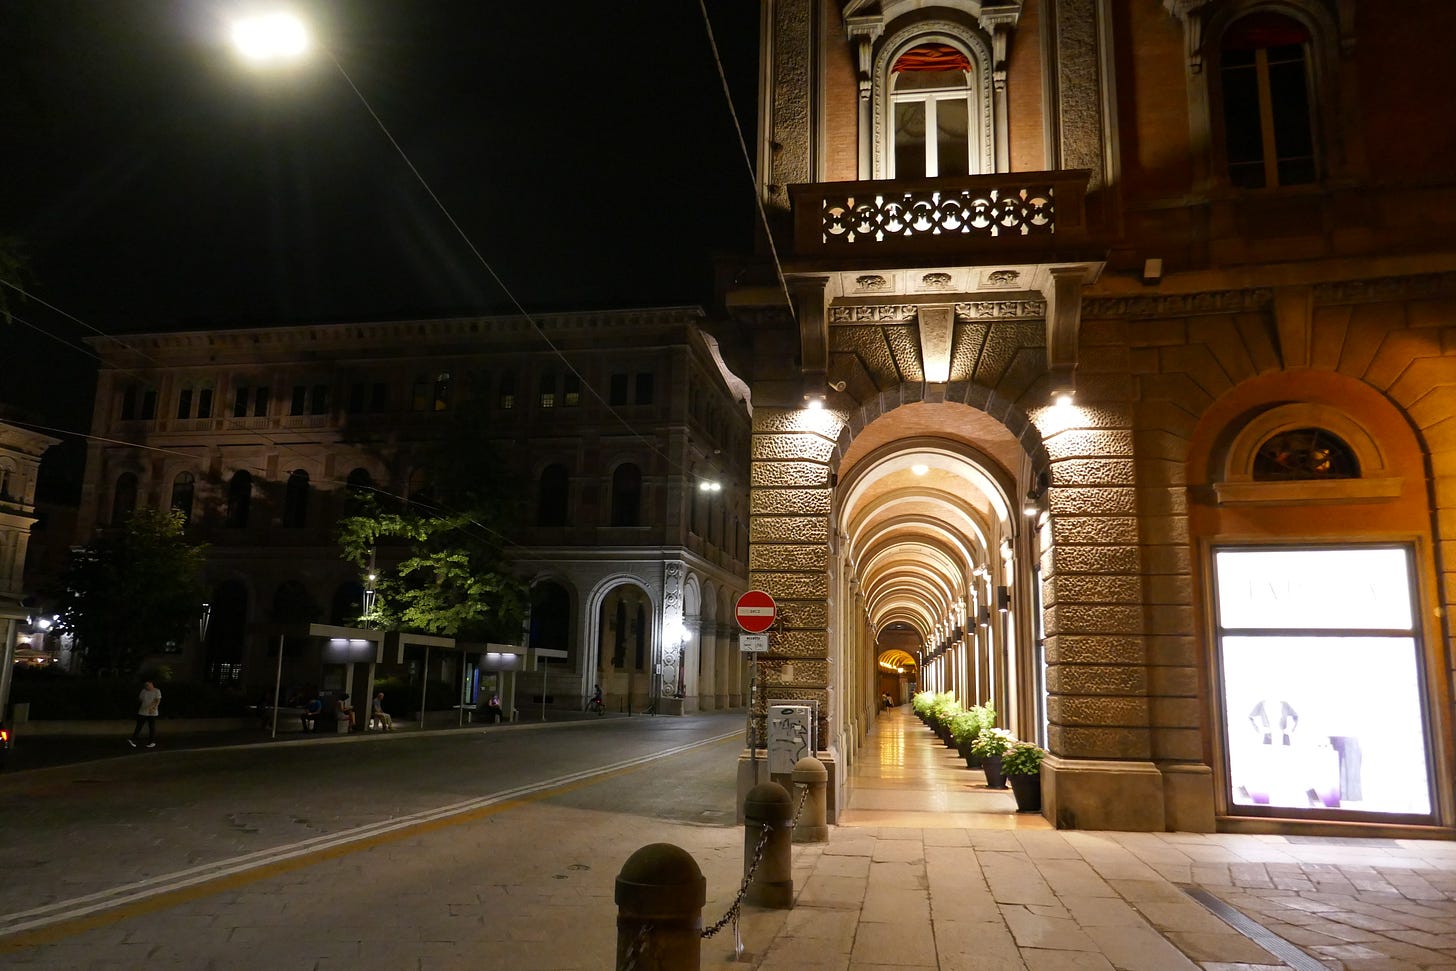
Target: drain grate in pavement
1256, 932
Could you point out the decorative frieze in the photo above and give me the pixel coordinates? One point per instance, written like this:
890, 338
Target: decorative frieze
1385, 288
1179, 304
898, 313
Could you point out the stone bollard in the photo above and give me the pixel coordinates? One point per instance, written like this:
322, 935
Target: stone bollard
813, 825
768, 806
660, 897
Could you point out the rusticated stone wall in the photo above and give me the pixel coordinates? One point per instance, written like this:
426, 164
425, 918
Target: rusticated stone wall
790, 553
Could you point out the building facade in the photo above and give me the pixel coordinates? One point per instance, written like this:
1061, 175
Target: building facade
623, 430
20, 454
1110, 348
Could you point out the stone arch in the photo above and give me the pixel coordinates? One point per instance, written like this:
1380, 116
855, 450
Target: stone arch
995, 407
1391, 502
624, 683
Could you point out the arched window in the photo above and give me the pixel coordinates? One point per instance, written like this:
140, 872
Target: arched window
123, 498
239, 498
551, 505
295, 500
932, 104
1304, 453
930, 97
184, 488
1264, 79
627, 495
546, 390
441, 397
360, 481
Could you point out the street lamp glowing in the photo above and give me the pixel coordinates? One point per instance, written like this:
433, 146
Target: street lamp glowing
270, 38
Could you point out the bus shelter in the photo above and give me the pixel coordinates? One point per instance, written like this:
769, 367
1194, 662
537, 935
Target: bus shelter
333, 645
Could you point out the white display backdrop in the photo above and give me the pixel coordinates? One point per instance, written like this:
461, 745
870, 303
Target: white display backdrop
1318, 718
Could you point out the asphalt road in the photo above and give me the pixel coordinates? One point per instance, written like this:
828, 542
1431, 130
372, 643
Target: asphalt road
86, 845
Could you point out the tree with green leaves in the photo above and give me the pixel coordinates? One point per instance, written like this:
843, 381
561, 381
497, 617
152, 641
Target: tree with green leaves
133, 591
439, 563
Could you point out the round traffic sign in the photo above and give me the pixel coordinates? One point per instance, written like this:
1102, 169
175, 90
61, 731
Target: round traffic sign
756, 611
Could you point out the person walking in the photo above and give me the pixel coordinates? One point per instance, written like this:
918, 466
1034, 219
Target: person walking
149, 700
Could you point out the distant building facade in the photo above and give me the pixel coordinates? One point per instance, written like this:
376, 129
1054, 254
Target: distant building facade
1133, 328
20, 454
623, 429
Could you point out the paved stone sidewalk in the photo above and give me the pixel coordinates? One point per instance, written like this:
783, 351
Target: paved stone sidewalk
963, 899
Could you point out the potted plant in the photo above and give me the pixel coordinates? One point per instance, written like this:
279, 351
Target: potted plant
1021, 764
966, 726
991, 744
920, 704
942, 710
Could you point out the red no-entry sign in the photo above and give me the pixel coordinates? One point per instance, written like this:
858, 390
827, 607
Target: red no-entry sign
756, 611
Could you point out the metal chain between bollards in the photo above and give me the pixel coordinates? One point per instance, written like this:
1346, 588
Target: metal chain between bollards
638, 946
732, 915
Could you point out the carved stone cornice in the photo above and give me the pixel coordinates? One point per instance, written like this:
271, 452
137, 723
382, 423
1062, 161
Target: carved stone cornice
898, 313
1385, 288
1179, 304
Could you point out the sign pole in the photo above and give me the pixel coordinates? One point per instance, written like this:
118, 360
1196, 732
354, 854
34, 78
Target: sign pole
755, 612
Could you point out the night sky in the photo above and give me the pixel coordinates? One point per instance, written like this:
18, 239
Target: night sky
585, 148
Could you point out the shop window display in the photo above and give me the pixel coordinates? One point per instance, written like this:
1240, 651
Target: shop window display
1321, 686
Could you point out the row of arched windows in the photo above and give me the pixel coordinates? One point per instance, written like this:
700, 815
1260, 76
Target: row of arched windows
239, 498
933, 103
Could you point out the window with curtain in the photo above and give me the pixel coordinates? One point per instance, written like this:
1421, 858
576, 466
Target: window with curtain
932, 91
1264, 80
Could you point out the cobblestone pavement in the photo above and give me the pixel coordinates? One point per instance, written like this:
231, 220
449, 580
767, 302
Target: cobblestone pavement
959, 883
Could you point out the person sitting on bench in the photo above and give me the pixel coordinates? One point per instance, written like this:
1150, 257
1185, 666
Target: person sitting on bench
344, 711
311, 713
377, 713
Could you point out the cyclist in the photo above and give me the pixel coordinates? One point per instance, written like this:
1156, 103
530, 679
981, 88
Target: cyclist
596, 704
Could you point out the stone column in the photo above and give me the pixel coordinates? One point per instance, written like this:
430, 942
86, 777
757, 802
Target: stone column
790, 557
1100, 775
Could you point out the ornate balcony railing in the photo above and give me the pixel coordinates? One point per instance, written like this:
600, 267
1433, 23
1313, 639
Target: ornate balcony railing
1014, 210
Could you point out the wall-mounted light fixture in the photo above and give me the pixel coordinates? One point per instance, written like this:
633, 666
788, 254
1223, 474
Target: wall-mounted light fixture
1152, 271
1003, 599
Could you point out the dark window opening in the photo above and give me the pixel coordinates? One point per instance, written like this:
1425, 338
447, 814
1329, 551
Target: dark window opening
617, 394
1264, 83
570, 390
644, 388
184, 403
204, 403
551, 507
295, 500
240, 498
300, 400
149, 405
626, 495
183, 490
128, 404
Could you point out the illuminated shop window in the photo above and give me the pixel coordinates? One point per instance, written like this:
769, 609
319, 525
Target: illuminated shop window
1319, 661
